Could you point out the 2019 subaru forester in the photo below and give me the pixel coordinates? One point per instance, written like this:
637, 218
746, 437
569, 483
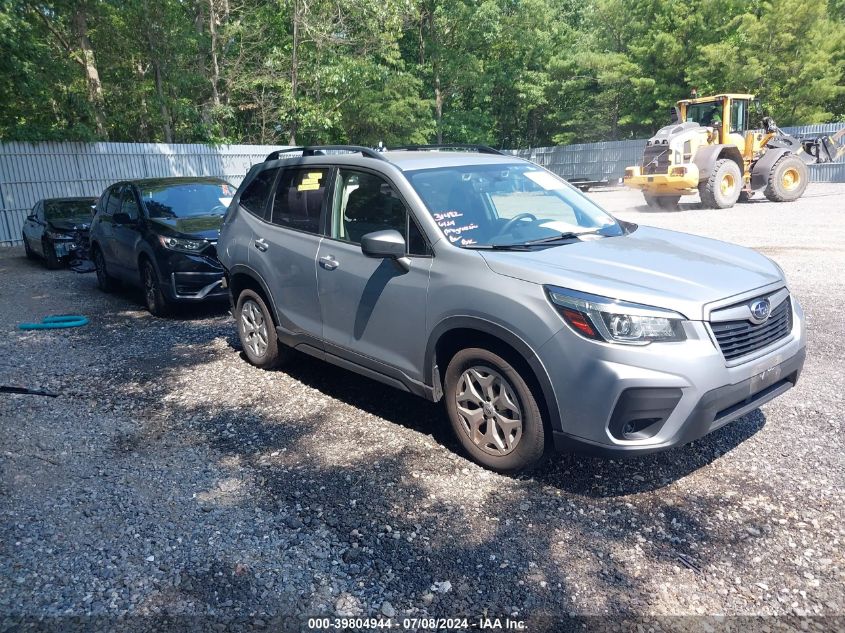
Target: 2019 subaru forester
486, 281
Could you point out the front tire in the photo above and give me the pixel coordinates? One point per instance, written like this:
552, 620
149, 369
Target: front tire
51, 260
257, 331
493, 411
154, 298
788, 179
105, 282
721, 190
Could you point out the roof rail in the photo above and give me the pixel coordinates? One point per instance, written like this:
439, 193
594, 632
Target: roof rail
320, 150
481, 149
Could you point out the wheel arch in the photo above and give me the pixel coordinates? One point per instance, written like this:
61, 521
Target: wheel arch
761, 169
240, 278
706, 157
460, 332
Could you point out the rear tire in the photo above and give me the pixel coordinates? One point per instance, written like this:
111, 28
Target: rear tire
105, 282
721, 190
788, 179
51, 261
493, 412
154, 298
257, 331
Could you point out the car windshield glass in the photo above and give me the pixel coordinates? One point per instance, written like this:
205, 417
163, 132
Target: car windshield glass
68, 209
185, 200
507, 205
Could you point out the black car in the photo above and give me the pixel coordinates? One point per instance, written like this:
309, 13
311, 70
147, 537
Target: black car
161, 234
57, 229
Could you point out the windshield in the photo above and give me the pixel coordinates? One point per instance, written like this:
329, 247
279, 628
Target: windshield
186, 200
69, 209
506, 205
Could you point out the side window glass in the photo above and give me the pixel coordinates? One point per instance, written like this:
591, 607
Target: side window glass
416, 241
39, 211
299, 198
130, 204
364, 203
113, 203
255, 195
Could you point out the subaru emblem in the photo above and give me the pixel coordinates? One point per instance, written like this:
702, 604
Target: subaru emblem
760, 310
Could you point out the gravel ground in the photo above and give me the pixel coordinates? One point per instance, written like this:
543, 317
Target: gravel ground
170, 478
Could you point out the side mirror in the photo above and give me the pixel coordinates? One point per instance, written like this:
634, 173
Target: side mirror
387, 243
122, 218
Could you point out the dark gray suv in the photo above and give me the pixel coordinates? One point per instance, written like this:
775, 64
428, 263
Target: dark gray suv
486, 281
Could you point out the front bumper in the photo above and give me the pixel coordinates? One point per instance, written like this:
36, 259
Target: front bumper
683, 390
188, 277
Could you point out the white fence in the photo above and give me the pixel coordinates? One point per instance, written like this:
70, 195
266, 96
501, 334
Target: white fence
32, 171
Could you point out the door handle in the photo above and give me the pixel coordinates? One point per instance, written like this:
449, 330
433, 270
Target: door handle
261, 245
329, 262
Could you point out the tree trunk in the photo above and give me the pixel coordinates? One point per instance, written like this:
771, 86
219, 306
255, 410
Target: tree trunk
294, 73
92, 76
165, 113
215, 64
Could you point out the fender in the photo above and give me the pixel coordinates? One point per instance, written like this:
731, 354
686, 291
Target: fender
505, 335
706, 157
761, 169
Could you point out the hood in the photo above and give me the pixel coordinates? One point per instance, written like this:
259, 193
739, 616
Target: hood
667, 269
69, 225
198, 226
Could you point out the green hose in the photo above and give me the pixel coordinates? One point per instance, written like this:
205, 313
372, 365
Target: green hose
56, 322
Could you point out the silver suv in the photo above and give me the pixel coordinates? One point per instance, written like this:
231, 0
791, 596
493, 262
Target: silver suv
486, 281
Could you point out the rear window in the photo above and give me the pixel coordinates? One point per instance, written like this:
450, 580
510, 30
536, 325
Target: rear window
299, 199
185, 200
255, 195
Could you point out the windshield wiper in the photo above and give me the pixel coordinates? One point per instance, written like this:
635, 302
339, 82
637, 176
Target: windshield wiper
567, 235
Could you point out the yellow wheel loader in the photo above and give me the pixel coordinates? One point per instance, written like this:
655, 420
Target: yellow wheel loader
709, 149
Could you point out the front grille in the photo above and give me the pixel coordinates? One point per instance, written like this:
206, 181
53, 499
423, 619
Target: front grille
656, 159
738, 338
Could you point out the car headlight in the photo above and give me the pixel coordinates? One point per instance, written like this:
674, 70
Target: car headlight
58, 236
182, 244
605, 319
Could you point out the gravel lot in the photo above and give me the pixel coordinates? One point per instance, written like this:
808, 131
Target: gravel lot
170, 478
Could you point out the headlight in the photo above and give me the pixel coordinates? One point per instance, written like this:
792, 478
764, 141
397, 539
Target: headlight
181, 244
605, 319
58, 236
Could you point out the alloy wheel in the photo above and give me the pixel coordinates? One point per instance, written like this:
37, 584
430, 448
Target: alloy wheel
254, 328
489, 410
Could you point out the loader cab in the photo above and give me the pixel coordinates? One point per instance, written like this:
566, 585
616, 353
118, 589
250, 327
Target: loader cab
727, 114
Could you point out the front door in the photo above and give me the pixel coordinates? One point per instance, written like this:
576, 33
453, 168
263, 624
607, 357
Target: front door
34, 227
372, 308
126, 235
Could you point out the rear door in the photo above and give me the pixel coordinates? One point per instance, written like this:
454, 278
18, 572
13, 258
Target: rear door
105, 227
373, 310
284, 248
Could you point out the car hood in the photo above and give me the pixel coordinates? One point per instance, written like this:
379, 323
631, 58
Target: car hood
198, 226
652, 266
70, 225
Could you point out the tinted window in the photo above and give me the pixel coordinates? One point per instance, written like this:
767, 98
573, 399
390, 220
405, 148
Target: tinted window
186, 200
416, 242
130, 204
364, 203
257, 192
299, 199
112, 205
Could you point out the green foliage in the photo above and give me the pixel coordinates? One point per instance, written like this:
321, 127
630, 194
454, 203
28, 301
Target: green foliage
509, 73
